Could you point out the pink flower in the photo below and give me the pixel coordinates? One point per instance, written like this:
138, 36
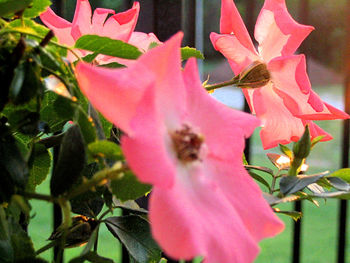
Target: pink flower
287, 103
189, 147
118, 26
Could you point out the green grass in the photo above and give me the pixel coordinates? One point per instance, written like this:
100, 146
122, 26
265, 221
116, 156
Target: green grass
319, 224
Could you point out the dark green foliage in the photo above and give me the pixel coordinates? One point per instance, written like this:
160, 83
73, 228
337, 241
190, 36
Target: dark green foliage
134, 232
70, 163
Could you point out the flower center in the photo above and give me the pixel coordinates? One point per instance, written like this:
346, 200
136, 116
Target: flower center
186, 144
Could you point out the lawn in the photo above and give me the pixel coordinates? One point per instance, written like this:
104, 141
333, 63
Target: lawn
319, 229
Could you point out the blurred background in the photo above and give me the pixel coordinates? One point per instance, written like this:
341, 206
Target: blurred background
325, 52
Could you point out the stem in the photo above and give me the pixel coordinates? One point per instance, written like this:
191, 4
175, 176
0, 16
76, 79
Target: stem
274, 179
40, 37
66, 223
37, 196
231, 82
98, 178
46, 247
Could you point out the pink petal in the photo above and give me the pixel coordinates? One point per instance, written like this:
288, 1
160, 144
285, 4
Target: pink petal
231, 23
143, 40
316, 131
121, 25
81, 24
99, 18
296, 92
146, 149
208, 114
114, 92
61, 27
277, 32
199, 217
279, 125
238, 55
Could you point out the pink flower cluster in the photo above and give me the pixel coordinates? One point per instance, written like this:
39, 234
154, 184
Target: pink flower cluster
188, 145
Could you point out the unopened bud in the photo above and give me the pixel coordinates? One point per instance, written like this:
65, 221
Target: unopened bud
254, 76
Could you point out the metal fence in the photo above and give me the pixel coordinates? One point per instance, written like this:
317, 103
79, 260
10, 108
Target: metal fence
166, 17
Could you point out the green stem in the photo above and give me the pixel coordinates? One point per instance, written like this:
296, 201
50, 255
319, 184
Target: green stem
46, 247
37, 196
231, 82
274, 179
6, 31
98, 179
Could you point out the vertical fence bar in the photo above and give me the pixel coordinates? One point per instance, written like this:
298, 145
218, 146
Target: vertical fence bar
250, 8
345, 139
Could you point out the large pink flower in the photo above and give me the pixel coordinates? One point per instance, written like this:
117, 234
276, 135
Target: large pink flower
189, 147
287, 103
118, 26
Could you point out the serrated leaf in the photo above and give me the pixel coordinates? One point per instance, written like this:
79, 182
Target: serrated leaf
70, 163
8, 7
343, 174
40, 166
107, 46
189, 52
128, 187
293, 184
36, 8
259, 179
134, 232
105, 149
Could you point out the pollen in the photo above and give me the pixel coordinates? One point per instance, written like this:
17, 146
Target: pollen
187, 144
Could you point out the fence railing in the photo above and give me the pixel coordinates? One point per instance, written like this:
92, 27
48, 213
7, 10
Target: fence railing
166, 17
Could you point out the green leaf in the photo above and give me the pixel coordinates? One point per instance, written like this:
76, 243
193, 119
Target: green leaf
112, 65
90, 57
91, 257
88, 204
40, 166
128, 187
91, 242
70, 163
301, 149
286, 151
21, 243
343, 174
38, 7
134, 232
316, 140
338, 194
293, 184
293, 214
107, 46
6, 250
273, 200
259, 168
339, 183
188, 52
8, 7
259, 178
86, 124
105, 149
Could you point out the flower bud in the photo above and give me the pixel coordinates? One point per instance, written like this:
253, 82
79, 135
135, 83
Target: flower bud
254, 76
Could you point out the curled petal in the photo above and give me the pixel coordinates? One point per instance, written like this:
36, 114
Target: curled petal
115, 93
231, 23
121, 25
238, 55
293, 86
277, 32
81, 24
61, 27
279, 125
316, 131
99, 18
143, 40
